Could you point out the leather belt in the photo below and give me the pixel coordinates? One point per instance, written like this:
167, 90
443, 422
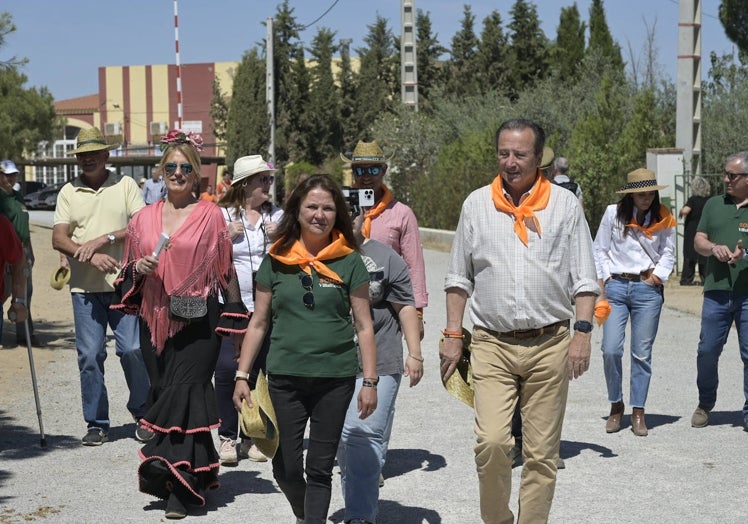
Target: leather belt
633, 277
532, 333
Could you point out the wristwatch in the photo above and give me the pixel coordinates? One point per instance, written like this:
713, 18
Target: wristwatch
19, 300
583, 326
112, 239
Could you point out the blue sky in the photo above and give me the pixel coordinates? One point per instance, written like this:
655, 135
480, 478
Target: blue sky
67, 40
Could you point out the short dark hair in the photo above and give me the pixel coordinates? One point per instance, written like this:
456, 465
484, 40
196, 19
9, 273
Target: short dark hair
288, 228
521, 124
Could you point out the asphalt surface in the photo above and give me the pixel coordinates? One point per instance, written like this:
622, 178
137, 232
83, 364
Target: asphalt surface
676, 474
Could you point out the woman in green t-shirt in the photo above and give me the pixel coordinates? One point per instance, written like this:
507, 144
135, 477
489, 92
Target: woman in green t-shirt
310, 284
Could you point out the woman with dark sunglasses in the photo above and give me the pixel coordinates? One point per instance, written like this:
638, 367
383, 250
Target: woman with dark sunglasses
252, 220
174, 290
312, 281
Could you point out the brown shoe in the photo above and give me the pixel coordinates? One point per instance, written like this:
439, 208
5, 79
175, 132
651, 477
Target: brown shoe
638, 425
613, 424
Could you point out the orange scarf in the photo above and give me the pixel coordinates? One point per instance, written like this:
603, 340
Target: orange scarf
377, 210
298, 254
538, 199
667, 221
602, 311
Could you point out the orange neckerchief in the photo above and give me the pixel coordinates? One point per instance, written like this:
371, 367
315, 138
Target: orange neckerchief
602, 311
667, 221
299, 255
377, 210
537, 200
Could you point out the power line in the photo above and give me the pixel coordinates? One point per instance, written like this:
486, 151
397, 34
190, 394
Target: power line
305, 27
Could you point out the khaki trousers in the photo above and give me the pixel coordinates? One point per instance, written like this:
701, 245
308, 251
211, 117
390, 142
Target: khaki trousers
535, 372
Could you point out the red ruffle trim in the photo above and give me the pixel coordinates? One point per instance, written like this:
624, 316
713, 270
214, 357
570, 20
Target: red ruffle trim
176, 429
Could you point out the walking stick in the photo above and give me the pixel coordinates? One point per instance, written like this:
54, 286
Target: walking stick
12, 318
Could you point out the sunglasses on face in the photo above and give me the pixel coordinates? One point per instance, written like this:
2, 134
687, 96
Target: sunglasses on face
733, 176
265, 179
307, 282
367, 170
171, 167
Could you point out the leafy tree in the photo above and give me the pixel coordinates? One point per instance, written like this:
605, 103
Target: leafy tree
219, 111
529, 46
492, 55
324, 109
428, 52
569, 50
462, 77
377, 82
248, 125
27, 116
734, 17
725, 111
600, 38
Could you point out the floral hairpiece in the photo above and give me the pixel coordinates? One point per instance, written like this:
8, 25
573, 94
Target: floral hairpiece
177, 136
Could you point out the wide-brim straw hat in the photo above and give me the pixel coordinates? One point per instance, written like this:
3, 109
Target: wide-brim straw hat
548, 156
248, 166
366, 153
259, 422
640, 181
90, 140
60, 277
460, 384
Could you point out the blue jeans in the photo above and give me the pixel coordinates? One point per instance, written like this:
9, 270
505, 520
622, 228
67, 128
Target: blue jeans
719, 311
362, 450
92, 315
643, 303
323, 402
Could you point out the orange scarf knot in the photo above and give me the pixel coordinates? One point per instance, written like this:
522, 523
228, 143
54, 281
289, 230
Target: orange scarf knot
298, 255
666, 222
540, 193
377, 210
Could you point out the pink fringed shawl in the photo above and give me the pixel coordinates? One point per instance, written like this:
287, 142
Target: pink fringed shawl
197, 262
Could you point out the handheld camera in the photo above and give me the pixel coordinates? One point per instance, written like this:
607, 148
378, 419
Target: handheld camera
358, 198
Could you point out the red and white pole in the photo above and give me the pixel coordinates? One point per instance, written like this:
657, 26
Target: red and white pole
179, 67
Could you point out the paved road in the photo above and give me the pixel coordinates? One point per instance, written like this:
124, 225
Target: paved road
677, 474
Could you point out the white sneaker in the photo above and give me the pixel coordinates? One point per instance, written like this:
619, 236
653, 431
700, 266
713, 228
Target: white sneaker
227, 451
247, 449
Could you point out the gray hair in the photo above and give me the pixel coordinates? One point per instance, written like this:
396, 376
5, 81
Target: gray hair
700, 187
741, 157
561, 164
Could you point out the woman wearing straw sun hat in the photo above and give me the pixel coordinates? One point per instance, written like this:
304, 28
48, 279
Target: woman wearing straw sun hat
634, 256
252, 220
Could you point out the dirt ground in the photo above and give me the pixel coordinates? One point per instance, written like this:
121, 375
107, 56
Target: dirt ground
53, 315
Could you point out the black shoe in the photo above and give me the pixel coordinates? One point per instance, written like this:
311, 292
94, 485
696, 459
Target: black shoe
94, 437
745, 426
142, 434
175, 509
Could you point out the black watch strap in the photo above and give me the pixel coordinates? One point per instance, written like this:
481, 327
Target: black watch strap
583, 326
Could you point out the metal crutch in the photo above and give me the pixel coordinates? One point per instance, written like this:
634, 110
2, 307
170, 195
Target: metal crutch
12, 318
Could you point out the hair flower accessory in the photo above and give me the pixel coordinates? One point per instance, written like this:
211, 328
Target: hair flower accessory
177, 136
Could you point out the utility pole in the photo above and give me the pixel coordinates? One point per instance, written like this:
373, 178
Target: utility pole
270, 97
688, 113
408, 62
179, 67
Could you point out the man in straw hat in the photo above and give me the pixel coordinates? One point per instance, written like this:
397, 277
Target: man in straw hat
722, 236
389, 221
522, 254
14, 208
89, 228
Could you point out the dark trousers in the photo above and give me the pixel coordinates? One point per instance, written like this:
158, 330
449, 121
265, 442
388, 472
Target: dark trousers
225, 373
689, 269
323, 402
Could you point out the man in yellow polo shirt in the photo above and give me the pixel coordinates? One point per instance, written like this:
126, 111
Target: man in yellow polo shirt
89, 228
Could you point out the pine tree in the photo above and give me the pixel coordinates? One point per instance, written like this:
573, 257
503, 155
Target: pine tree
248, 125
492, 56
569, 50
529, 47
324, 109
347, 93
600, 38
462, 72
428, 52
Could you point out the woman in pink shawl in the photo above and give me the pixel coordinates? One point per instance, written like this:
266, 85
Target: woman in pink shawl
175, 294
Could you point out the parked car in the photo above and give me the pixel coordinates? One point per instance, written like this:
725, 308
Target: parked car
44, 199
32, 187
